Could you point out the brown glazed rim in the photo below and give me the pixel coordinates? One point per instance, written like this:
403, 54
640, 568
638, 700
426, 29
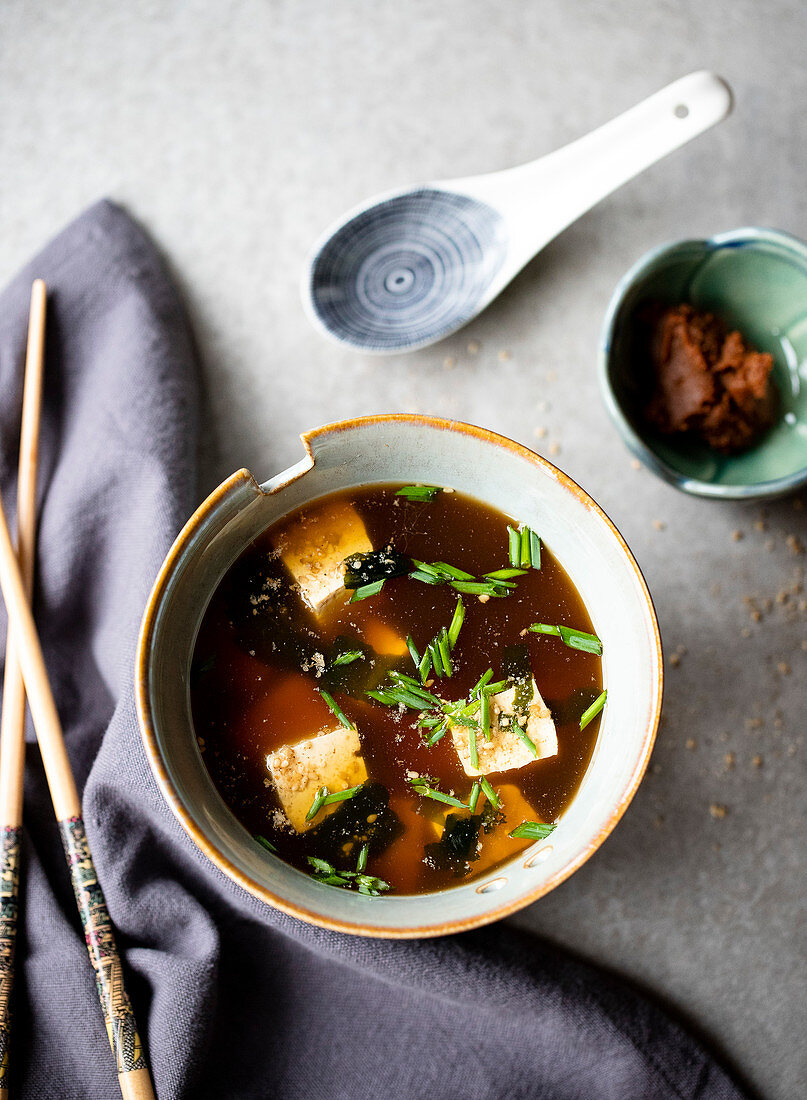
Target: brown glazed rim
169, 791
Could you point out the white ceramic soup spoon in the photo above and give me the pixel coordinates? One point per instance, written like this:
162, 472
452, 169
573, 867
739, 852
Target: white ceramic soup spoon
410, 267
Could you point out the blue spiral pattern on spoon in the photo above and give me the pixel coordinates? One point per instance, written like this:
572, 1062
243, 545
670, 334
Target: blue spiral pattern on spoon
408, 270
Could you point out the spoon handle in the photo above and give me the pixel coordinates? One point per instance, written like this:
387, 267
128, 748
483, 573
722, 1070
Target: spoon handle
544, 197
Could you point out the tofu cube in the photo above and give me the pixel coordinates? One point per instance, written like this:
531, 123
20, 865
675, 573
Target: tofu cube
332, 759
314, 550
505, 750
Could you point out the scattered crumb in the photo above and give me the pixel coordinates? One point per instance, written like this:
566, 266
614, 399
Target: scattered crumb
737, 535
757, 761
483, 597
724, 736
718, 811
554, 448
200, 741
782, 596
753, 723
539, 433
794, 544
756, 616
691, 744
760, 525
784, 668
675, 660
659, 524
730, 761
635, 464
449, 362
504, 355
473, 347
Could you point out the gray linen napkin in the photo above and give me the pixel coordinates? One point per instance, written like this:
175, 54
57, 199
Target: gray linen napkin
233, 999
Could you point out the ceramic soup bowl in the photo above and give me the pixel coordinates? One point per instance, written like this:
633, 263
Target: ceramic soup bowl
510, 478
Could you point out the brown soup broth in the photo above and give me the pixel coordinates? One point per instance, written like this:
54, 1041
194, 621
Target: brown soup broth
254, 683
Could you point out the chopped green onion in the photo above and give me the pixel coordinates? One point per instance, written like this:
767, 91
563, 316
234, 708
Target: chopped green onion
532, 830
481, 588
361, 863
341, 796
433, 571
452, 571
369, 884
434, 654
424, 666
480, 683
523, 737
456, 623
544, 628
472, 801
419, 492
445, 656
367, 590
494, 689
515, 546
438, 734
484, 719
472, 749
490, 794
413, 653
524, 548
535, 550
321, 865
505, 574
591, 712
337, 710
317, 804
348, 657
429, 792
575, 639
264, 843
427, 578
578, 639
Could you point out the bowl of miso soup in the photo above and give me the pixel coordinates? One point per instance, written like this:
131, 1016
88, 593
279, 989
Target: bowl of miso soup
405, 687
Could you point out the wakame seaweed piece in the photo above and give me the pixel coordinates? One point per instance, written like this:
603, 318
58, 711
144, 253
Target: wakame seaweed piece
457, 847
516, 667
264, 612
375, 565
348, 826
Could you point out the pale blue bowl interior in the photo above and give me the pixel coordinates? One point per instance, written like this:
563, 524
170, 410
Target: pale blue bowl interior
756, 281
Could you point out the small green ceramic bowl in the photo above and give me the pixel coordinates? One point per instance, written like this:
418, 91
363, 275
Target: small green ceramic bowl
756, 281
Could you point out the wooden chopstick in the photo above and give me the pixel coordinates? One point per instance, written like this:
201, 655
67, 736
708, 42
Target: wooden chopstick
12, 723
133, 1074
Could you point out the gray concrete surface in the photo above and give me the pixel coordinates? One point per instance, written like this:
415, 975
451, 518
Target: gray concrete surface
237, 131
